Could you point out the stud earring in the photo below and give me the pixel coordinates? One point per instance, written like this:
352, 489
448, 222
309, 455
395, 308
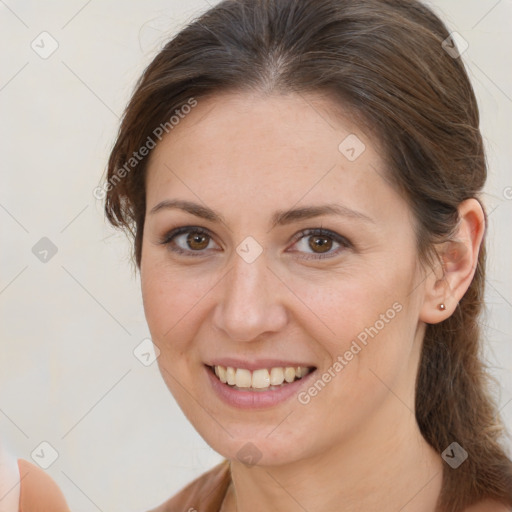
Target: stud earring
442, 307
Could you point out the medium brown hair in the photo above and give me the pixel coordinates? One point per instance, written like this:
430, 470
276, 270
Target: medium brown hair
385, 60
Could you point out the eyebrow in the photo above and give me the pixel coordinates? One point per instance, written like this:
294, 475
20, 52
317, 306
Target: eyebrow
280, 217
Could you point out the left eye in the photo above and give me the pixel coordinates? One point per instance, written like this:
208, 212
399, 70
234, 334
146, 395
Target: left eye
192, 241
320, 241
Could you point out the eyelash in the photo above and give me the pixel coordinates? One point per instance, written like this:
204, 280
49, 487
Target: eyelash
168, 240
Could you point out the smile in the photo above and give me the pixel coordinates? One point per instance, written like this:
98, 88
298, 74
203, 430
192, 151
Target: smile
263, 379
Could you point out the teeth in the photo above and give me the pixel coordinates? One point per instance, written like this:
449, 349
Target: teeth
221, 373
289, 374
276, 376
243, 378
259, 379
230, 376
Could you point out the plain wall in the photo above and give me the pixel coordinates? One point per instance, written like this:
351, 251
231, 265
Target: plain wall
68, 375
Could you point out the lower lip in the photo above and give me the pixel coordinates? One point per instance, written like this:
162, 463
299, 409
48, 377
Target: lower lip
255, 399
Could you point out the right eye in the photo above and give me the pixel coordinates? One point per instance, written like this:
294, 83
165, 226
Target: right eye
187, 240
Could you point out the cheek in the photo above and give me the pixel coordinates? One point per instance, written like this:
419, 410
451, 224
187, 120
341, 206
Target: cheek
371, 322
354, 301
169, 310
172, 300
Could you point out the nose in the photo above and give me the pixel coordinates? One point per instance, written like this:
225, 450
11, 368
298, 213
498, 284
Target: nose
250, 302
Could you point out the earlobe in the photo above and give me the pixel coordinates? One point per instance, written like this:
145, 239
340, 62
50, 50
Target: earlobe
446, 286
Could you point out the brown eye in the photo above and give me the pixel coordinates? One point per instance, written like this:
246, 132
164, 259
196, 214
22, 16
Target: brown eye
197, 241
320, 243
188, 240
193, 241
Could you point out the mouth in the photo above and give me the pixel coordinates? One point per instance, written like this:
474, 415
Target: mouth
261, 379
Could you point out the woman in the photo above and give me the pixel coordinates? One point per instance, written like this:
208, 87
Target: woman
302, 182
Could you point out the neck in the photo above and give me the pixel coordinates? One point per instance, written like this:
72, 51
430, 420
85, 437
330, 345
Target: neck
376, 469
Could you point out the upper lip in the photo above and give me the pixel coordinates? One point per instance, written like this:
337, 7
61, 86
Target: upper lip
256, 364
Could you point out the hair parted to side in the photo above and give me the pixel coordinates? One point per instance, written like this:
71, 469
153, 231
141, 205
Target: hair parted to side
384, 60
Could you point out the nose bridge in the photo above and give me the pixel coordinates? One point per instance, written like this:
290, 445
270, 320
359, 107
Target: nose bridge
249, 304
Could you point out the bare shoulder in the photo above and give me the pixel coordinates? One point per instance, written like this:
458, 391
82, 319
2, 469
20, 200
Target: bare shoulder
488, 506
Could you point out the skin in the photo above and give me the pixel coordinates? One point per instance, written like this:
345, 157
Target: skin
356, 444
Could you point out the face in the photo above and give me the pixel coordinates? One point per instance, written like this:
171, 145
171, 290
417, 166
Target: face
243, 266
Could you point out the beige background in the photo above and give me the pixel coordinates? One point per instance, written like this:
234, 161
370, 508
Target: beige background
68, 375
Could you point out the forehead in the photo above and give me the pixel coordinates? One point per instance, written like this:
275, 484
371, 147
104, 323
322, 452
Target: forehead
278, 148
242, 127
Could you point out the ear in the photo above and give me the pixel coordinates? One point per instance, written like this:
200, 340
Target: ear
459, 257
